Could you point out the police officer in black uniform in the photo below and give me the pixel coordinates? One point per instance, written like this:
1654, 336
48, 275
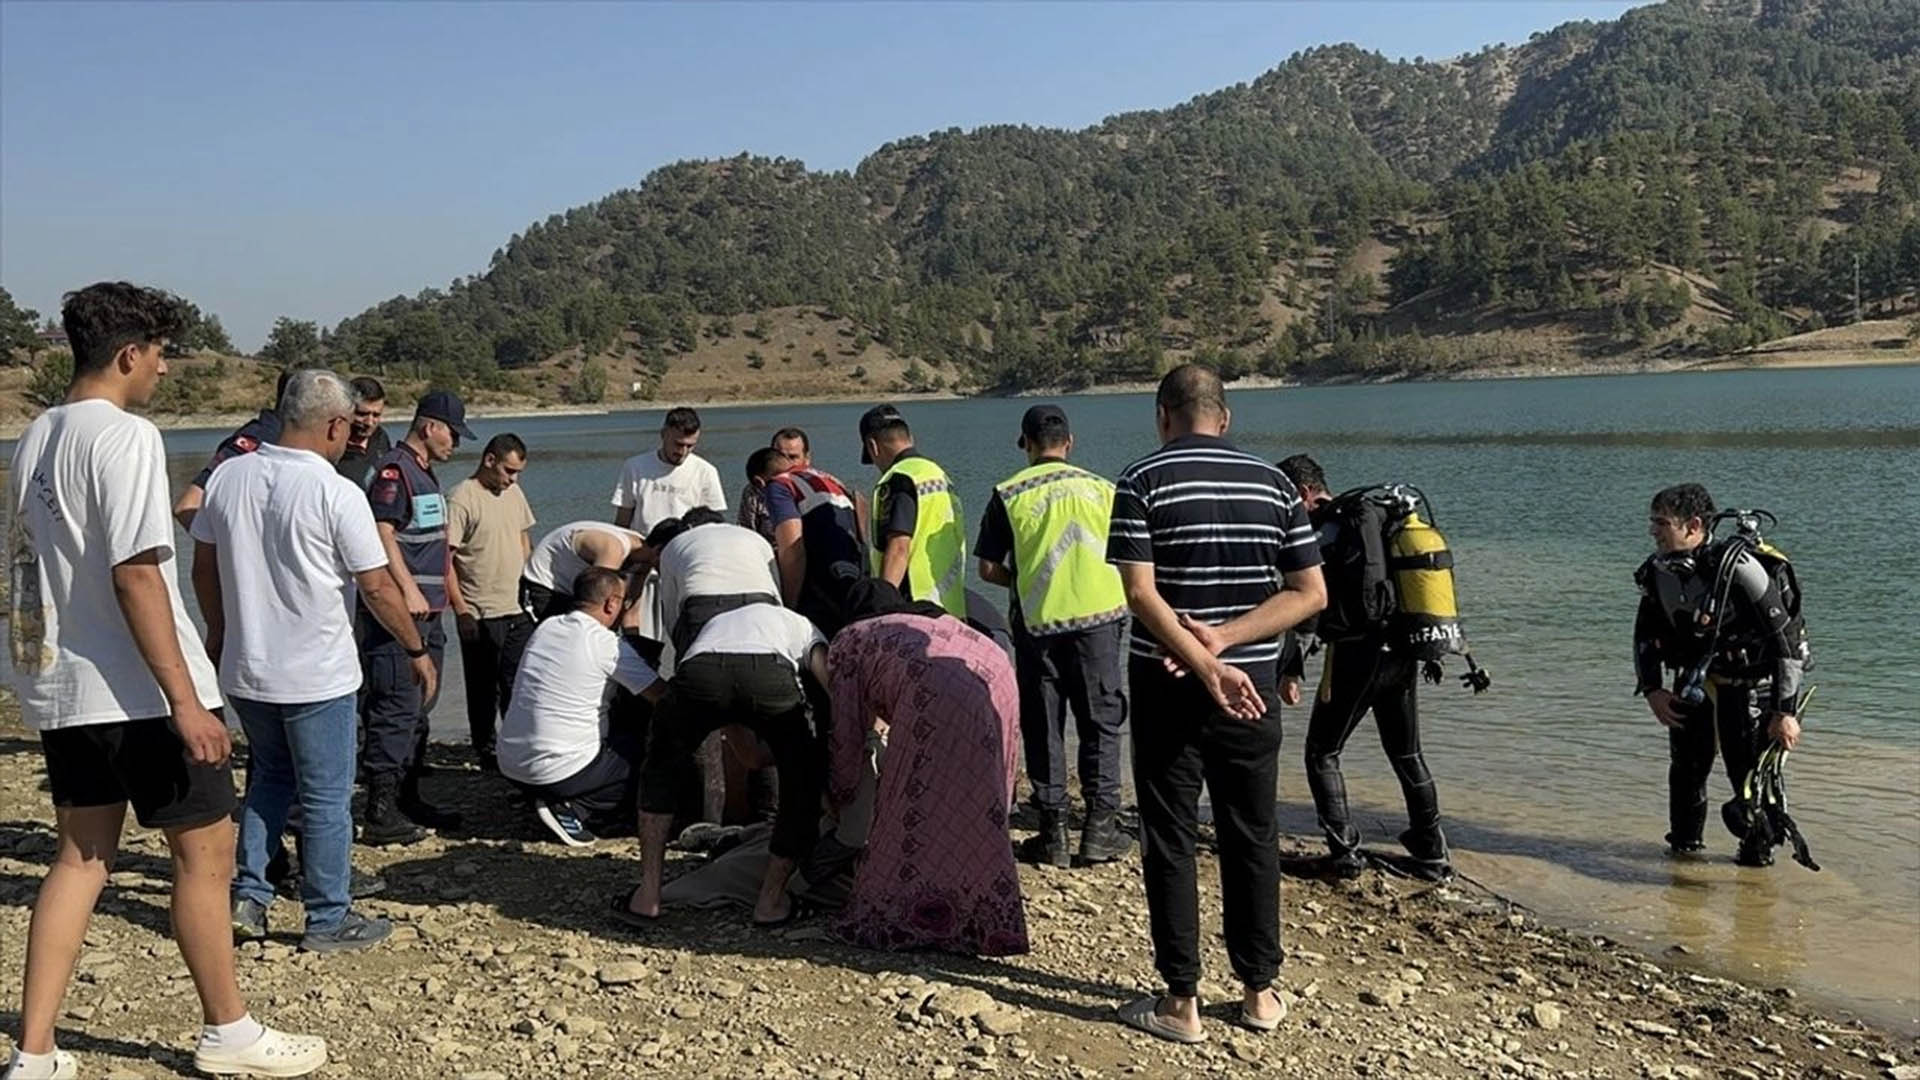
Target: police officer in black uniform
411, 513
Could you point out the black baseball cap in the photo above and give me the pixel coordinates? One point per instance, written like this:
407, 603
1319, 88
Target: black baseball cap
1044, 424
446, 407
873, 421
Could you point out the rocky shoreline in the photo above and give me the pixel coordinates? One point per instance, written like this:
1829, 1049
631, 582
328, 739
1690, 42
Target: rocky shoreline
503, 966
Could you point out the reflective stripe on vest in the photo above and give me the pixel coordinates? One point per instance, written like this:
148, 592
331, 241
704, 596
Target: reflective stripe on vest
1059, 514
937, 557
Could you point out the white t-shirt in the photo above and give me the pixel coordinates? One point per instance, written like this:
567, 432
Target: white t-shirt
87, 491
714, 560
656, 491
758, 629
291, 533
555, 561
557, 720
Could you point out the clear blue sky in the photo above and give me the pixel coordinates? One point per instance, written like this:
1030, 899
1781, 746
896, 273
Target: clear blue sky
312, 159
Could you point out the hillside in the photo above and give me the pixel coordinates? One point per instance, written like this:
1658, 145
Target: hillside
1689, 180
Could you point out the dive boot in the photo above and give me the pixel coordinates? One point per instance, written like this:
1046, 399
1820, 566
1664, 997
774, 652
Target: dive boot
382, 822
1428, 855
1101, 840
1048, 847
423, 812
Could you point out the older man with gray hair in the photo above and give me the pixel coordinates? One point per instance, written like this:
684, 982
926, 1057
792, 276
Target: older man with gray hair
284, 541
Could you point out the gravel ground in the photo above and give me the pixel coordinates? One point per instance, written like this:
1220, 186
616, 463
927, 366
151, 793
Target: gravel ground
502, 965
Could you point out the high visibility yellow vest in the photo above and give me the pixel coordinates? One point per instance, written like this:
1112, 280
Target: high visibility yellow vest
1059, 515
937, 560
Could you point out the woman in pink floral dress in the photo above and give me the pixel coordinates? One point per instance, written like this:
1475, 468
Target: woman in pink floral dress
938, 871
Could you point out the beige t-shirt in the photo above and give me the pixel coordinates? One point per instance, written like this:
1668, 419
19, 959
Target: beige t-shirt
485, 531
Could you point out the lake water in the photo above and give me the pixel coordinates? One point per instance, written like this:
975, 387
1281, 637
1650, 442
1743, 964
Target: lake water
1554, 783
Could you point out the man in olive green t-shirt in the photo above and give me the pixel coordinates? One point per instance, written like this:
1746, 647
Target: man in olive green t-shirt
487, 523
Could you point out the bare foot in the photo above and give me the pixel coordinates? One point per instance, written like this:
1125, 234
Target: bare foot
1183, 1013
1263, 1007
775, 911
642, 906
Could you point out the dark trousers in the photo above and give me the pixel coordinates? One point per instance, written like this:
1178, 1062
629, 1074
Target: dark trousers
393, 716
604, 792
1728, 713
1180, 740
490, 660
543, 603
1077, 670
1359, 677
761, 692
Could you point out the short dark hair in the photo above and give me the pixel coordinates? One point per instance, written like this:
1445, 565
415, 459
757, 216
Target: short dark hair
702, 515
1192, 390
760, 462
108, 316
367, 388
663, 532
786, 433
594, 585
1683, 502
683, 420
1304, 472
504, 445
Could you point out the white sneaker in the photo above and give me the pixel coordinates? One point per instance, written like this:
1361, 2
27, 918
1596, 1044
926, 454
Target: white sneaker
65, 1067
276, 1053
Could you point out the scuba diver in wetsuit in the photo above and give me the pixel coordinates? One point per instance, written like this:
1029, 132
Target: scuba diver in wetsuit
1368, 667
1740, 680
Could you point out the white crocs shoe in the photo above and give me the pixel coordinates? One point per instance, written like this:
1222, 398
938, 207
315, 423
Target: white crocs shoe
65, 1067
276, 1053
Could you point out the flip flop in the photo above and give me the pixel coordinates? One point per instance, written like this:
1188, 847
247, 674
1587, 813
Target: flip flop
796, 909
626, 915
1140, 1016
1270, 1023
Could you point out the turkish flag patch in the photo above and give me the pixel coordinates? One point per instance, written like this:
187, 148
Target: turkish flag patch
247, 443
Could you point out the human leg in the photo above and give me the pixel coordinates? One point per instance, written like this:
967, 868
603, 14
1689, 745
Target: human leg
480, 676
390, 705
320, 739
269, 797
1241, 763
89, 836
202, 875
1690, 749
1167, 771
411, 803
1346, 693
1043, 739
1396, 713
1100, 704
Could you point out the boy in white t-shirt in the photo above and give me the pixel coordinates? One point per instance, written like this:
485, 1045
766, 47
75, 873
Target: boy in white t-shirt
662, 484
109, 672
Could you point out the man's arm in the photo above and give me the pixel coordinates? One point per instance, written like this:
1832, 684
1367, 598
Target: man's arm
1231, 688
416, 601
791, 555
862, 520
995, 543
994, 573
893, 561
141, 593
383, 599
189, 504
206, 589
1303, 594
623, 516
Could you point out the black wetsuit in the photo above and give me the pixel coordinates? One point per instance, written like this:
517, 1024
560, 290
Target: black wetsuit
1759, 660
1362, 673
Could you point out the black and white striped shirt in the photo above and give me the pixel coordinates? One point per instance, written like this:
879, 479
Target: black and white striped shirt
1220, 528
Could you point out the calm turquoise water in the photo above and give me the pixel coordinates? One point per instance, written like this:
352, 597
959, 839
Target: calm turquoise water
1554, 783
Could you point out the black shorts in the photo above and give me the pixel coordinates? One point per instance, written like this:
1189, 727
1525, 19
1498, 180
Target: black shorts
139, 762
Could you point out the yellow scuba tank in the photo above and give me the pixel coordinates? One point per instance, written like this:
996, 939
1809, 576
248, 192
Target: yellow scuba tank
1428, 620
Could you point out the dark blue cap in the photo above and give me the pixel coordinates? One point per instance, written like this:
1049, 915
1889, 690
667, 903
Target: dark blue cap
446, 407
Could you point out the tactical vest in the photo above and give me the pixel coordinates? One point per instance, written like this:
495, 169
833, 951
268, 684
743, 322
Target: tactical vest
423, 537
1062, 579
937, 559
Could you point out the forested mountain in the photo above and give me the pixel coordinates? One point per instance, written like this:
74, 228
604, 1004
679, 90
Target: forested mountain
1691, 176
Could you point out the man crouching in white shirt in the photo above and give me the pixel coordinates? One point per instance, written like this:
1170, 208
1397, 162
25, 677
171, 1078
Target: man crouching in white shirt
284, 540
554, 739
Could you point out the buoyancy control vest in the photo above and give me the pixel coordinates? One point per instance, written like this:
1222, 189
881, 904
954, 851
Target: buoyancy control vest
1390, 576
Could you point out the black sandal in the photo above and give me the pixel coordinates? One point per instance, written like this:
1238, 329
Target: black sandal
623, 911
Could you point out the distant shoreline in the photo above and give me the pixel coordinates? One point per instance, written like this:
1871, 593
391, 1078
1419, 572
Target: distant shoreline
11, 429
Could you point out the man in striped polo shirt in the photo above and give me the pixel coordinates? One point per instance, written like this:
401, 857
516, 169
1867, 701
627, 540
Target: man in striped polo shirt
1218, 560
